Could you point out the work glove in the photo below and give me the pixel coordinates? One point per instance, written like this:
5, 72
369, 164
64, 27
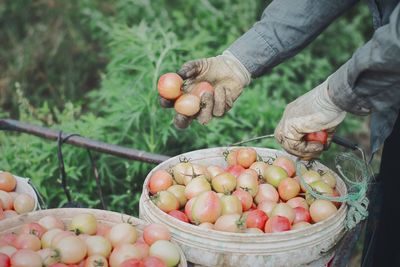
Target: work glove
225, 73
311, 112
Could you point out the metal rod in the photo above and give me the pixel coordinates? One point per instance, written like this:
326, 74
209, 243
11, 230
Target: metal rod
122, 152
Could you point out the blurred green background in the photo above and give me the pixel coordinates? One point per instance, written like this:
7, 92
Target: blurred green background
91, 67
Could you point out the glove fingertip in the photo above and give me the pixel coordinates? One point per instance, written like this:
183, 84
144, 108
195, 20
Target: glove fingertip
165, 103
181, 121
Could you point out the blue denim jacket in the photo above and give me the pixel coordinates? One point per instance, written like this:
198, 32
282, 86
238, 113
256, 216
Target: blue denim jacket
368, 83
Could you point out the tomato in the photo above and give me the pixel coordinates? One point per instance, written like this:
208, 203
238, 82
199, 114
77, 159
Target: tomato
230, 223
154, 232
122, 233
132, 263
197, 186
297, 202
246, 156
51, 222
261, 168
9, 238
214, 170
275, 174
33, 228
143, 248
153, 262
102, 229
322, 209
84, 223
206, 208
231, 205
8, 250
95, 261
321, 137
58, 237
266, 192
122, 253
26, 258
300, 225
322, 188
166, 201
49, 256
201, 88
248, 182
98, 245
48, 237
287, 164
329, 179
301, 215
201, 171
179, 215
179, 192
256, 219
188, 209
166, 251
183, 172
224, 183
245, 198
309, 176
266, 206
277, 224
5, 260
187, 105
27, 241
6, 200
160, 180
7, 181
284, 210
231, 158
235, 170
288, 188
72, 249
24, 203
169, 86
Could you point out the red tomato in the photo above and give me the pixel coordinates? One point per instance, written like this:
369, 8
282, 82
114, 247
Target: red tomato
288, 188
153, 262
256, 219
231, 158
277, 224
236, 170
179, 215
5, 260
321, 136
169, 86
159, 181
132, 263
33, 229
188, 209
187, 105
206, 208
201, 88
245, 198
154, 232
301, 215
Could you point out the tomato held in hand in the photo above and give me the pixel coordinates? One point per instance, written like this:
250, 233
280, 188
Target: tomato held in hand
169, 86
321, 136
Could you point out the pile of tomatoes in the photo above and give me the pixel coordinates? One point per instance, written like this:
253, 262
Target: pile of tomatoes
85, 242
247, 196
11, 202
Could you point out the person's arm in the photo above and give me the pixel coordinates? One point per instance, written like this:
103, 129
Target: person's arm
368, 82
286, 27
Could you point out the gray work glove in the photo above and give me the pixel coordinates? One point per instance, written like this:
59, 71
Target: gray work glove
311, 112
225, 73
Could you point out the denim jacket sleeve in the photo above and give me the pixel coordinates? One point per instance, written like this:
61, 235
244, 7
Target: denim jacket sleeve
285, 28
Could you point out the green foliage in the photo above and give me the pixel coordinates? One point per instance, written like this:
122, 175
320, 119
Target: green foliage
143, 39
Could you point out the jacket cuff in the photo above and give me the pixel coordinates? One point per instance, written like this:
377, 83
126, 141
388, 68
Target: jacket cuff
342, 94
253, 51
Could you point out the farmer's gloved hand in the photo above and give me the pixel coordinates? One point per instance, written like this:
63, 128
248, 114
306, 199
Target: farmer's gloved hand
311, 112
228, 77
